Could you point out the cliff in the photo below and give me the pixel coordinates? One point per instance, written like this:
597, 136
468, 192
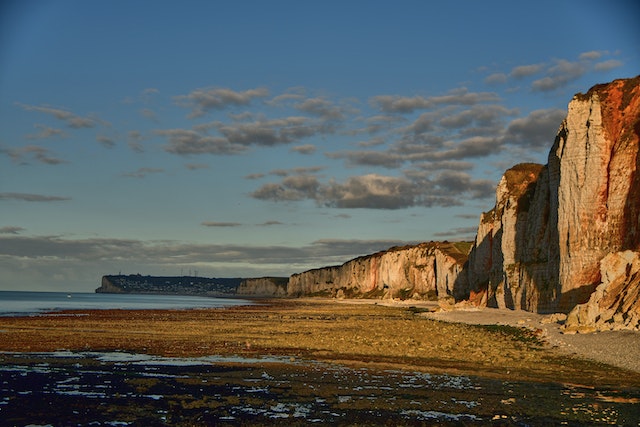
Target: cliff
424, 271
615, 304
264, 287
540, 248
178, 285
564, 236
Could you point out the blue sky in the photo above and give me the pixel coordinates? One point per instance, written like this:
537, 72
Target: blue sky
254, 138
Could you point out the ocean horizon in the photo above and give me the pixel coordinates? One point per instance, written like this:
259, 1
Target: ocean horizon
24, 303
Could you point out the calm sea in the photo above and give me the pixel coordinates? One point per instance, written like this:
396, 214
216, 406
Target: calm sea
25, 303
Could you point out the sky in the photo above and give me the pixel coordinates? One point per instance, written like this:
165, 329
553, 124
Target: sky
255, 138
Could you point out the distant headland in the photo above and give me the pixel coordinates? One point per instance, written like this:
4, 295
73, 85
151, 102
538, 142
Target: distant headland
177, 285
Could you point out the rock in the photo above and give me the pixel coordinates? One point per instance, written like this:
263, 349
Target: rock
273, 287
615, 304
554, 318
425, 271
540, 248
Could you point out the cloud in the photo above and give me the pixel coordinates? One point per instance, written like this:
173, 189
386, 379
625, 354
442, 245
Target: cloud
55, 256
11, 230
482, 115
304, 149
270, 223
142, 172
379, 123
221, 224
135, 139
37, 153
185, 141
608, 65
559, 75
536, 131
592, 55
271, 132
201, 101
496, 78
235, 138
370, 158
47, 132
292, 188
479, 146
523, 71
457, 182
321, 107
296, 171
367, 191
460, 96
32, 197
149, 114
457, 233
196, 166
105, 141
72, 120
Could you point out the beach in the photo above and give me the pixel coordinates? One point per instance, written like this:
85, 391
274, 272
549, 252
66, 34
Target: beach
506, 353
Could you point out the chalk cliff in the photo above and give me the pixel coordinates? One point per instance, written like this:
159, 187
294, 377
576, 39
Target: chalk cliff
424, 271
615, 304
264, 287
545, 245
540, 248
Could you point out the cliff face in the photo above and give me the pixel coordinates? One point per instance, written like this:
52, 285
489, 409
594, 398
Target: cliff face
615, 304
540, 248
425, 271
264, 287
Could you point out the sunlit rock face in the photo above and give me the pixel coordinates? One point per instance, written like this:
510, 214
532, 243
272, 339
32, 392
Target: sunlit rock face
615, 304
425, 271
495, 261
540, 248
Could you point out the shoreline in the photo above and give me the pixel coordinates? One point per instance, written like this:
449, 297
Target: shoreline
398, 334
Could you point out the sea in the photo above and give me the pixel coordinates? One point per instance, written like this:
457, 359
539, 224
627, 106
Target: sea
17, 303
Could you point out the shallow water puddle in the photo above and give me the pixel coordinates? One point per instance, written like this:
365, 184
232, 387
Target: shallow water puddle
120, 388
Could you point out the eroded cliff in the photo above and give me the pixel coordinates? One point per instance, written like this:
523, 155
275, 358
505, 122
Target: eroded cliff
264, 287
425, 271
540, 248
615, 304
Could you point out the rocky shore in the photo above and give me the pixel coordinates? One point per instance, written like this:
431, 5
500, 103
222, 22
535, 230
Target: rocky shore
296, 361
398, 335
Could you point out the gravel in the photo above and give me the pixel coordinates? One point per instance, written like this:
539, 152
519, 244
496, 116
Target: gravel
616, 348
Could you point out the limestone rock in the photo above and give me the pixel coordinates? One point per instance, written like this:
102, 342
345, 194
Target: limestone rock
540, 248
615, 304
274, 287
425, 271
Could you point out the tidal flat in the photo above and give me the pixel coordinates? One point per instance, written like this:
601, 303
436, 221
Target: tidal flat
296, 362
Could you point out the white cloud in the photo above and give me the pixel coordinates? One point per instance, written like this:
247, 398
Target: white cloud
608, 65
523, 71
72, 120
201, 101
